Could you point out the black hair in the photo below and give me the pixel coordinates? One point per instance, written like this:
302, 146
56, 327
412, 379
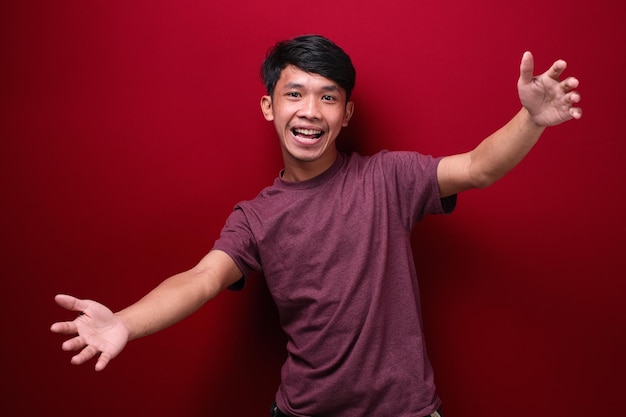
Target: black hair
310, 53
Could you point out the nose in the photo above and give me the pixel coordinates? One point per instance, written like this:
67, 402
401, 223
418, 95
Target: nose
310, 108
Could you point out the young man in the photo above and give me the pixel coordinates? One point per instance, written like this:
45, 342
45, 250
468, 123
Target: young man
332, 238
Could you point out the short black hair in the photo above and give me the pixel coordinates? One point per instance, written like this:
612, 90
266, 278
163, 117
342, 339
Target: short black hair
313, 54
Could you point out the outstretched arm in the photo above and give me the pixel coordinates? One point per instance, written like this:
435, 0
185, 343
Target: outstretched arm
99, 331
546, 100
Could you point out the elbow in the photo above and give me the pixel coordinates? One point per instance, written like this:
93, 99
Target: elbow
484, 180
480, 175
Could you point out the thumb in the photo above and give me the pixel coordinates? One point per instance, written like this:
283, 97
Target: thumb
71, 303
526, 68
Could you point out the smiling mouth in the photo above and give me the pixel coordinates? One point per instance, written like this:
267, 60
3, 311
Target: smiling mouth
307, 133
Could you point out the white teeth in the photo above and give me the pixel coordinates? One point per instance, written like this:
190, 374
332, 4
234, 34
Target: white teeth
307, 131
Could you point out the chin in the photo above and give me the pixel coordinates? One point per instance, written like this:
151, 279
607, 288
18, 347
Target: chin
305, 157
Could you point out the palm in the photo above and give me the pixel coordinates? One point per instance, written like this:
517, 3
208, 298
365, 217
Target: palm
98, 331
547, 99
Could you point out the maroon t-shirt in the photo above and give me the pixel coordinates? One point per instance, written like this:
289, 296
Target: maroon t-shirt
335, 252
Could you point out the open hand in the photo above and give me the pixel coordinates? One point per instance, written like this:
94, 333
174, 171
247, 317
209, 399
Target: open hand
97, 331
548, 100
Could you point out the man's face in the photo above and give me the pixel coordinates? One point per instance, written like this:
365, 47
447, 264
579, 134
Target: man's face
308, 112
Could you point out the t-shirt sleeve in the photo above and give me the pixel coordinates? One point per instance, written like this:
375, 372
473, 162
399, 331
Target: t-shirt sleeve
415, 177
237, 240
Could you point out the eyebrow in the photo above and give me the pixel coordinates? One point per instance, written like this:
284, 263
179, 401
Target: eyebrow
330, 87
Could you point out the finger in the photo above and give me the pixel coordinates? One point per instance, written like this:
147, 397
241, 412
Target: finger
86, 354
572, 97
102, 362
556, 69
64, 327
576, 112
71, 303
569, 84
75, 343
526, 68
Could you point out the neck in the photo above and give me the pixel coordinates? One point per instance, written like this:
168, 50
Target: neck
298, 171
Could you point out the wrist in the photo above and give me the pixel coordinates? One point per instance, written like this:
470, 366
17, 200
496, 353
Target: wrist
126, 326
530, 121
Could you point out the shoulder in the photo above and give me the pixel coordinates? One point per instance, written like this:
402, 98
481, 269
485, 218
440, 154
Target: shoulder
408, 162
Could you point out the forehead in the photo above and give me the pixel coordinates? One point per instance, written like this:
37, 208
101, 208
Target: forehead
293, 77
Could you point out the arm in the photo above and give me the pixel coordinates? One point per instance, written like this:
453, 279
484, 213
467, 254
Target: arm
546, 101
100, 331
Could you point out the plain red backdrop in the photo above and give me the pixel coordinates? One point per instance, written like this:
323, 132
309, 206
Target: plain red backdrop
130, 129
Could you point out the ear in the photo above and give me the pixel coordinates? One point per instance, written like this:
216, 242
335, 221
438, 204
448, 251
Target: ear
348, 114
266, 108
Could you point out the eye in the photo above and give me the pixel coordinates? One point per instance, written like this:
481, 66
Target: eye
292, 94
328, 97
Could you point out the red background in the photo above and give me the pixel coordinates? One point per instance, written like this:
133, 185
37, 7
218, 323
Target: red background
130, 129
